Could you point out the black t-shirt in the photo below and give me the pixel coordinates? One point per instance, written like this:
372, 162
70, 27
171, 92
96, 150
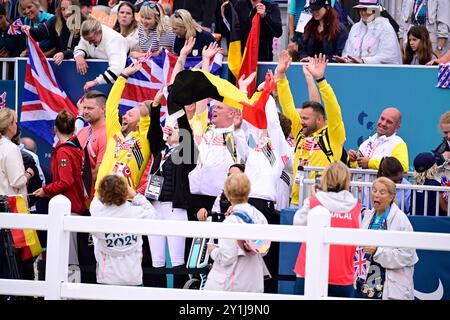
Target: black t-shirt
202, 38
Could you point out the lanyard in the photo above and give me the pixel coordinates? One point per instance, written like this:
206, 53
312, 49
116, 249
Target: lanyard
378, 223
418, 5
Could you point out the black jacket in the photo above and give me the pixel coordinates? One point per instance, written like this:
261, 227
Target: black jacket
201, 10
181, 193
439, 151
271, 26
47, 30
330, 47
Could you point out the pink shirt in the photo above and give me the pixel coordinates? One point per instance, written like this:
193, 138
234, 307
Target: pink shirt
96, 146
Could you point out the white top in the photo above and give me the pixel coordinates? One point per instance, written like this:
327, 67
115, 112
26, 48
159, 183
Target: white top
113, 47
375, 42
399, 262
377, 147
12, 172
214, 160
233, 268
119, 255
265, 162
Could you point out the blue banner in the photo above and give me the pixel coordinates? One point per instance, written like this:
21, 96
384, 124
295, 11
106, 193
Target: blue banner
431, 273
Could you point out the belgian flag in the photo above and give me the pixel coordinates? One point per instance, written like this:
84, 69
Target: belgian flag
194, 85
24, 239
239, 63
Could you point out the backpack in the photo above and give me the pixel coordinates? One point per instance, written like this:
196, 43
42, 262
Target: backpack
251, 246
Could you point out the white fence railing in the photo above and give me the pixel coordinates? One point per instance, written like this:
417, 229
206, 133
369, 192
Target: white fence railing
318, 236
362, 190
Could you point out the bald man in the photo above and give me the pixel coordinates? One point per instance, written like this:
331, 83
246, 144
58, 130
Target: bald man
384, 143
29, 144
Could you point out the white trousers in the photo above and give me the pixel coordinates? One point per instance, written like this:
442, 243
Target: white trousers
165, 211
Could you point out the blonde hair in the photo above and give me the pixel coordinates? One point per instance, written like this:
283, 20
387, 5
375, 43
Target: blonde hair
445, 118
162, 23
390, 186
182, 18
59, 20
90, 26
7, 116
237, 188
419, 177
35, 2
335, 177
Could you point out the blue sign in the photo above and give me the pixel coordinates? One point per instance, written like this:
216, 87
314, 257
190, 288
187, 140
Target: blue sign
431, 273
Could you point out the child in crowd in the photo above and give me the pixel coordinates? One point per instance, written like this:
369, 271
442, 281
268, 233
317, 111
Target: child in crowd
235, 267
119, 255
418, 48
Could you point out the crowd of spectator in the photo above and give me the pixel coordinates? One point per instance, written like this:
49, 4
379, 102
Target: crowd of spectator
129, 166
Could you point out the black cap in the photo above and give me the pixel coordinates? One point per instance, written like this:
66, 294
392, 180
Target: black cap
317, 4
424, 161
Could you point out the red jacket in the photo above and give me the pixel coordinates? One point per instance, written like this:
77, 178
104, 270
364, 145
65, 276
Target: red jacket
341, 268
65, 165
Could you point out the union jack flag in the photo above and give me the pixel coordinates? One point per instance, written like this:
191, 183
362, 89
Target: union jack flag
43, 97
15, 27
444, 76
445, 183
154, 74
360, 263
3, 100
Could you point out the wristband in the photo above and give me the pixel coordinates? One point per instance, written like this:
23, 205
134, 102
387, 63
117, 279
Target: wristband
319, 80
124, 76
155, 105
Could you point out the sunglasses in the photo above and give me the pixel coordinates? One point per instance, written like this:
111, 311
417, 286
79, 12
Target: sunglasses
177, 15
151, 5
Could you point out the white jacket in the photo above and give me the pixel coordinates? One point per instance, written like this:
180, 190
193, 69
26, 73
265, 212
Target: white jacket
12, 172
437, 22
119, 255
113, 47
399, 262
266, 161
375, 42
233, 268
342, 201
214, 160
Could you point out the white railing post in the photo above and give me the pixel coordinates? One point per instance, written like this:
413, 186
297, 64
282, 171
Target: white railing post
57, 247
317, 254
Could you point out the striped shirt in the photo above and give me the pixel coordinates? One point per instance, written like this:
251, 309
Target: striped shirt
167, 39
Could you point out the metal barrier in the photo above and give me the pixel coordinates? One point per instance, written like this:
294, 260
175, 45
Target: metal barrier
364, 195
8, 67
318, 236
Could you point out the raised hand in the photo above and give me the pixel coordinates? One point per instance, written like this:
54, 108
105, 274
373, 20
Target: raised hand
317, 66
159, 95
283, 64
187, 48
209, 51
132, 69
244, 82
